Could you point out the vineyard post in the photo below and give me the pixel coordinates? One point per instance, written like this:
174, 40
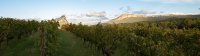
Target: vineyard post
42, 41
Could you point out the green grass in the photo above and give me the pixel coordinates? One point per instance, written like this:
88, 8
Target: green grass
69, 45
20, 47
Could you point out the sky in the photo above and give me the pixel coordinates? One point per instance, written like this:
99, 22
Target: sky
92, 11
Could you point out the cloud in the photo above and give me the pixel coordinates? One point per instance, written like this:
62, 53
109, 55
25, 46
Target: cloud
100, 15
173, 1
162, 12
126, 9
130, 10
186, 1
96, 14
89, 18
144, 12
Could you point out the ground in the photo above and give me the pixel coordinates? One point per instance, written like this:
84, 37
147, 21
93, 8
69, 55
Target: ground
69, 45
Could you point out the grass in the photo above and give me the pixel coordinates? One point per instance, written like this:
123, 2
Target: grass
20, 47
69, 45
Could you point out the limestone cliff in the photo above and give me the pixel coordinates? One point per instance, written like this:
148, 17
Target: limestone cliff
62, 21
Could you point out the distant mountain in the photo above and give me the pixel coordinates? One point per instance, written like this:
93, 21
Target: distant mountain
131, 18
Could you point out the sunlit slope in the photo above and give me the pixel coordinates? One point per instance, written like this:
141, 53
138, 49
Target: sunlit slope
149, 18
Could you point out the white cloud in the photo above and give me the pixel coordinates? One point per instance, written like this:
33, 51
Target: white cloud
100, 15
144, 12
96, 14
177, 1
173, 1
89, 18
129, 9
126, 9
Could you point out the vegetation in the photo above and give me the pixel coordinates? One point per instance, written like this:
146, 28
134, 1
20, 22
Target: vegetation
11, 29
16, 29
174, 37
33, 38
48, 38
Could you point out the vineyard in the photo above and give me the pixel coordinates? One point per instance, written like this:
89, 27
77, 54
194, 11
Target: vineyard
173, 37
39, 38
13, 29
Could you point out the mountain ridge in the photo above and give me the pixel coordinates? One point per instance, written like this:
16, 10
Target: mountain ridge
131, 18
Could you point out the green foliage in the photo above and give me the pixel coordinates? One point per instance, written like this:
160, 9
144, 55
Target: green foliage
11, 28
47, 41
174, 37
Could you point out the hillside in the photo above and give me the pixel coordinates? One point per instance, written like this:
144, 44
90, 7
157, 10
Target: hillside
131, 18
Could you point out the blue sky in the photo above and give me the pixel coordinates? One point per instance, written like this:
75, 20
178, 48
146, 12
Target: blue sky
87, 10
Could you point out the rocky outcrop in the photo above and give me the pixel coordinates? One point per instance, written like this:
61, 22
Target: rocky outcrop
62, 21
124, 17
132, 18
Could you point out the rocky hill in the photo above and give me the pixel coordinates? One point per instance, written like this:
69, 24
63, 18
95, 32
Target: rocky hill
131, 18
62, 21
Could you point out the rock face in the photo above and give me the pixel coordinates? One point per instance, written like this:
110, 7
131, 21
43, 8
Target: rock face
62, 21
132, 18
124, 17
